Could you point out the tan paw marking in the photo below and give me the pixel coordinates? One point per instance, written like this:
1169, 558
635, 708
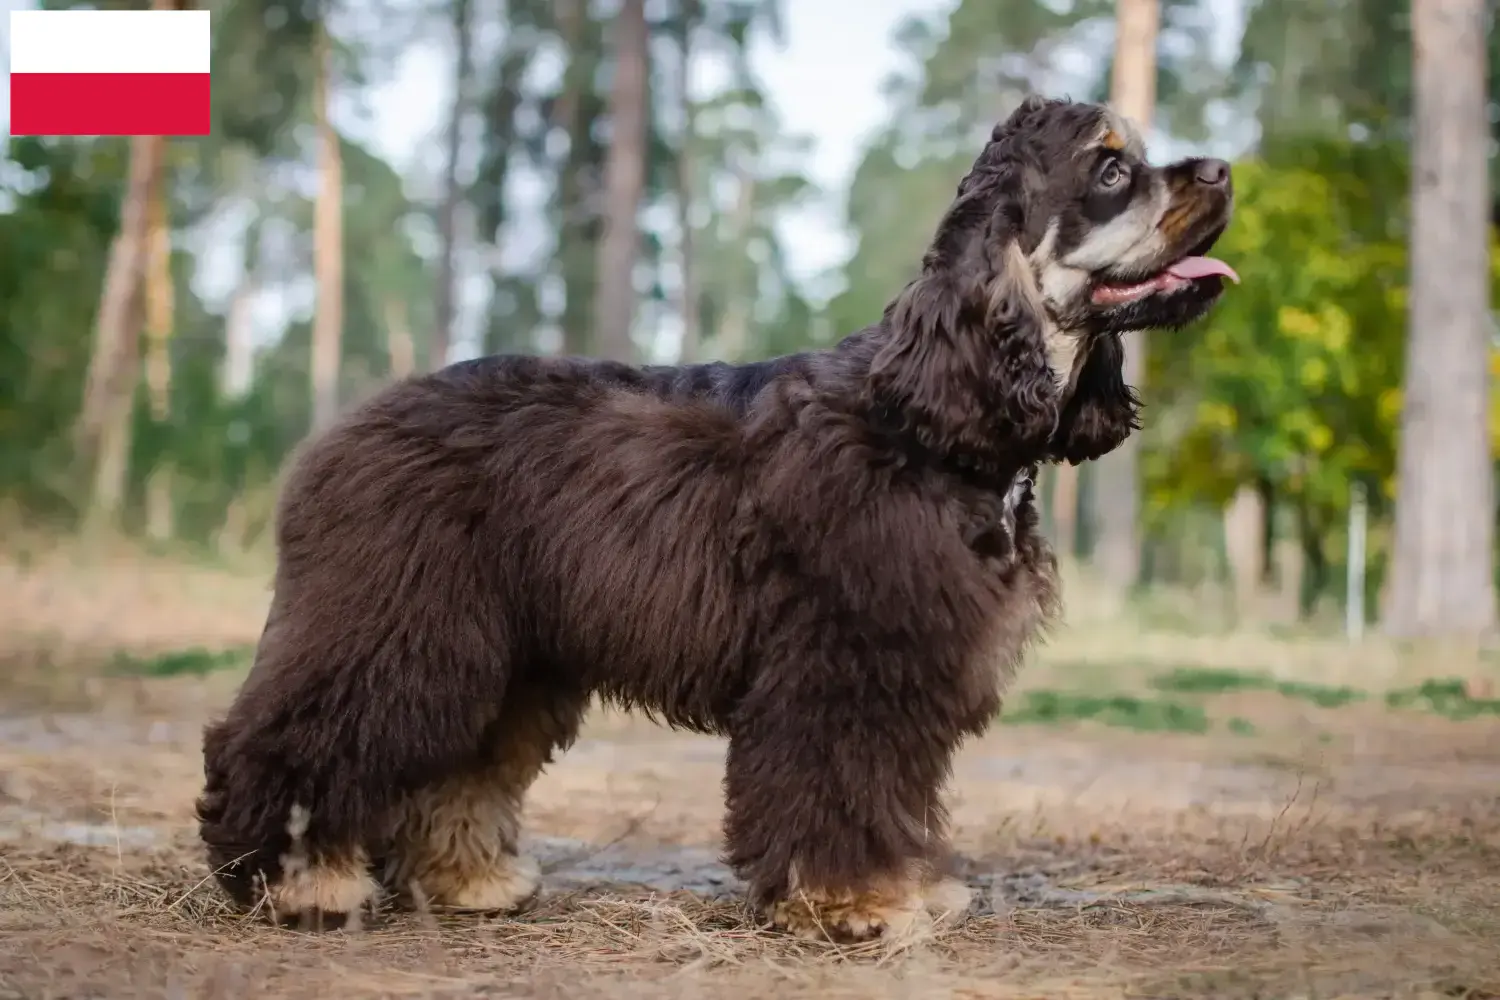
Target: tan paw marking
512, 885
899, 914
329, 889
898, 919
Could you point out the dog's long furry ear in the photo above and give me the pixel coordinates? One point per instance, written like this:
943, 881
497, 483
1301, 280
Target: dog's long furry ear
1102, 411
965, 362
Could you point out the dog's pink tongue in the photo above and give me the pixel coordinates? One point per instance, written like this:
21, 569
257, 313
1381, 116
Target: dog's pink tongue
1202, 267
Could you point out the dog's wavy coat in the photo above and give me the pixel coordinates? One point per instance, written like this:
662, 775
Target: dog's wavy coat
831, 558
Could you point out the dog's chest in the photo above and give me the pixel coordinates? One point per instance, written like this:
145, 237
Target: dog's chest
1002, 529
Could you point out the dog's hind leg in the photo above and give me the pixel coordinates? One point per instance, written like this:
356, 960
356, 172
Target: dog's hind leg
456, 843
344, 714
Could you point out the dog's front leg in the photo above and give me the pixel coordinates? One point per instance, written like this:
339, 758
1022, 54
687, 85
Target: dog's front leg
834, 817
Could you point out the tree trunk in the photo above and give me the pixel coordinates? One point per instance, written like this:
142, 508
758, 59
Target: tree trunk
572, 114
399, 345
112, 459
506, 328
1065, 510
733, 338
1291, 572
1245, 546
238, 370
1116, 495
102, 433
1442, 566
624, 183
159, 322
1314, 581
442, 334
686, 190
328, 251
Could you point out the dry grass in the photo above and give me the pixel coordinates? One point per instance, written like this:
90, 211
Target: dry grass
77, 922
1348, 852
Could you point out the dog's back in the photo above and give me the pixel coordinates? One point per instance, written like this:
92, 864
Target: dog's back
731, 385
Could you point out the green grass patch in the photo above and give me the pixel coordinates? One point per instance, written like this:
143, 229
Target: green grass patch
1203, 680
1206, 680
1445, 697
1184, 715
1155, 715
195, 662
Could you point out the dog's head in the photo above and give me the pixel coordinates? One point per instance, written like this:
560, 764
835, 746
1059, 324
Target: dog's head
1061, 239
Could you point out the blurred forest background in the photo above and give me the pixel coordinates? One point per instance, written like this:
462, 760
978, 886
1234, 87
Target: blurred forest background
177, 314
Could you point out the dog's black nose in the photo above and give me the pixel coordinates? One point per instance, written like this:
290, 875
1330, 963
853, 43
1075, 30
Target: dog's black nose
1214, 173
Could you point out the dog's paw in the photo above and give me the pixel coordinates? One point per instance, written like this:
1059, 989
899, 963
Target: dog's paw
509, 887
896, 919
322, 896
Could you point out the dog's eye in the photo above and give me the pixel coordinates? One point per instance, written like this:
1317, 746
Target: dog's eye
1113, 175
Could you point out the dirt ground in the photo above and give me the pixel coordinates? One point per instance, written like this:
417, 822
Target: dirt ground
1313, 852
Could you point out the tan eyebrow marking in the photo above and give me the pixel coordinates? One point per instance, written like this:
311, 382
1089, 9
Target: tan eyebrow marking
1121, 135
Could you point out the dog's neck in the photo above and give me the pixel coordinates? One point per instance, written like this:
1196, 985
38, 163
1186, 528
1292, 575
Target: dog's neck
839, 373
845, 366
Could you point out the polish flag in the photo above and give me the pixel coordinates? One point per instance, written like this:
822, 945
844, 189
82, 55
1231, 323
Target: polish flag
109, 72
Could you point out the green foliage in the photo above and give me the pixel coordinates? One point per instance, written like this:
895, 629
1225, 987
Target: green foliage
1338, 69
735, 133
1294, 380
1293, 385
263, 72
741, 265
53, 244
55, 240
381, 268
249, 186
893, 205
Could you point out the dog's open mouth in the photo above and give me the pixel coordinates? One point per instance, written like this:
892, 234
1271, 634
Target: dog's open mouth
1174, 278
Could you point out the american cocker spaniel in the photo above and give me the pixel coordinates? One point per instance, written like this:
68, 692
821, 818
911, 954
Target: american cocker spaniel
831, 558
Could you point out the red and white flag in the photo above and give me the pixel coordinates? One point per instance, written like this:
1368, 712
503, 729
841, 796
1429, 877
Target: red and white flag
109, 72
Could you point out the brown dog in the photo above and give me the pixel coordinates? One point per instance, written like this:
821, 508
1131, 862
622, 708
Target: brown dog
831, 558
